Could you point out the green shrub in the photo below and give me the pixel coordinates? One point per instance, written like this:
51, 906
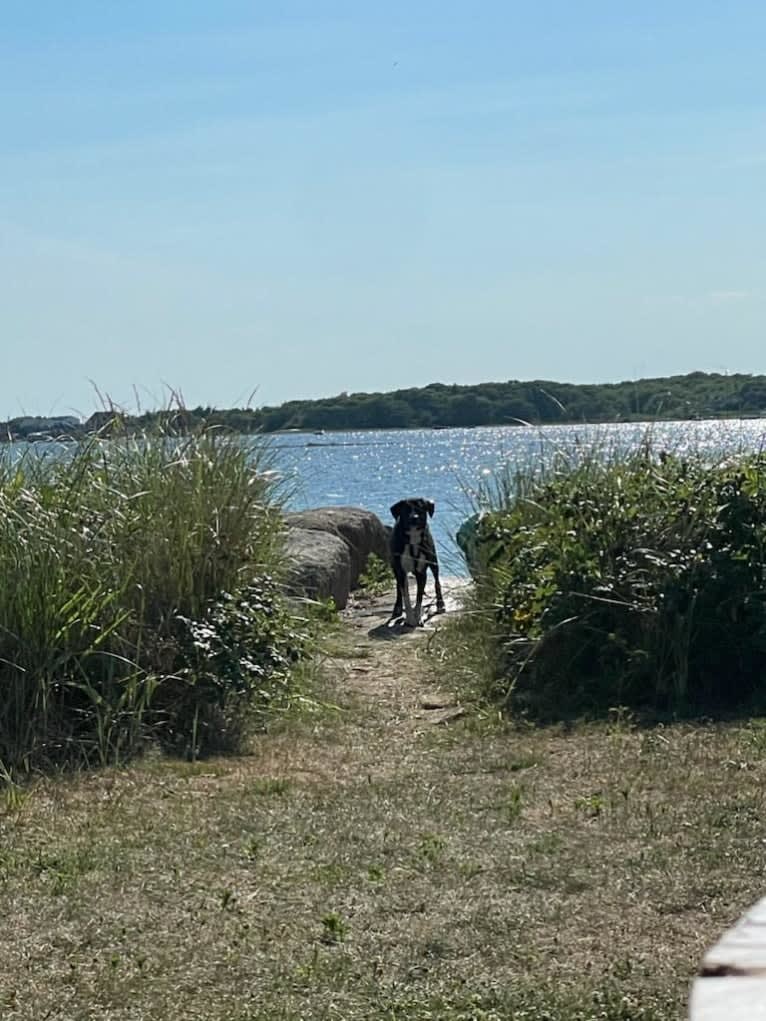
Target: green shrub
377, 578
104, 549
635, 581
234, 668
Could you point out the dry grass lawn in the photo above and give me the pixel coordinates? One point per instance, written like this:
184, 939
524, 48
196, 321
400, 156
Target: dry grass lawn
368, 862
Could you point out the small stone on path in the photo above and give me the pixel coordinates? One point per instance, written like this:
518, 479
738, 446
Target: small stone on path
438, 702
449, 716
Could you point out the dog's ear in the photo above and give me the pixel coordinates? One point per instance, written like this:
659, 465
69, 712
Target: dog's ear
396, 510
430, 507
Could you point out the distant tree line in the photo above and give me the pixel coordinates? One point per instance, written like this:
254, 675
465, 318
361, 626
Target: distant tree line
442, 405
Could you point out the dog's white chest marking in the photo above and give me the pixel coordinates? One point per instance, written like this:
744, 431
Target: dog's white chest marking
413, 555
413, 560
410, 563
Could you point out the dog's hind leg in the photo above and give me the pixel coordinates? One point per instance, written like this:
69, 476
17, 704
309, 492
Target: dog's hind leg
440, 607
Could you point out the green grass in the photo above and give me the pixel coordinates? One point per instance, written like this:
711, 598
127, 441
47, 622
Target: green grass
364, 865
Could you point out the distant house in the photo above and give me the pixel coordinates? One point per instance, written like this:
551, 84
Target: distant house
40, 426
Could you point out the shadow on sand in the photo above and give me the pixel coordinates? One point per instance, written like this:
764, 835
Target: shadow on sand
397, 627
390, 629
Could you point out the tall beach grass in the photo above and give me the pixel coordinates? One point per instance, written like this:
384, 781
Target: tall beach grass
109, 552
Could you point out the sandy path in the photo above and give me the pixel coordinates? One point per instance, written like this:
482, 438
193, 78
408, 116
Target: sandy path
384, 667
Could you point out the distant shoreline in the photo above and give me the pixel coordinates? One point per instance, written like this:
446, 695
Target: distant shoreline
79, 435
695, 396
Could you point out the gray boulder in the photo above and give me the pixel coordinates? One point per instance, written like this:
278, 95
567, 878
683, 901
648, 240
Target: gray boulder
361, 530
327, 549
318, 565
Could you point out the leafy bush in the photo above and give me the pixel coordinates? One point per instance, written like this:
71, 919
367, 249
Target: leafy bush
377, 577
104, 547
234, 667
636, 581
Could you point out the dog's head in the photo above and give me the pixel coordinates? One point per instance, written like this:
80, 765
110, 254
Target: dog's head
414, 512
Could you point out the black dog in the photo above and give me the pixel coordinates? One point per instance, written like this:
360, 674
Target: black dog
413, 552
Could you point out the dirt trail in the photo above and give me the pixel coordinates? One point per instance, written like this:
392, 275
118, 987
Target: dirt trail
383, 667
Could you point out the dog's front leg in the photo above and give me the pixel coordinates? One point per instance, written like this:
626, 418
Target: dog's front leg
410, 615
400, 586
420, 581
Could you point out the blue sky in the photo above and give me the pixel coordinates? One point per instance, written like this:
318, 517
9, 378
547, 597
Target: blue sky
264, 201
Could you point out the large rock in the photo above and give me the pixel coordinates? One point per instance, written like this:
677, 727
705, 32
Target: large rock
361, 530
319, 565
317, 541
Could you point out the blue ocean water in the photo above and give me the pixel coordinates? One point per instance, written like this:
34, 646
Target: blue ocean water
453, 467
